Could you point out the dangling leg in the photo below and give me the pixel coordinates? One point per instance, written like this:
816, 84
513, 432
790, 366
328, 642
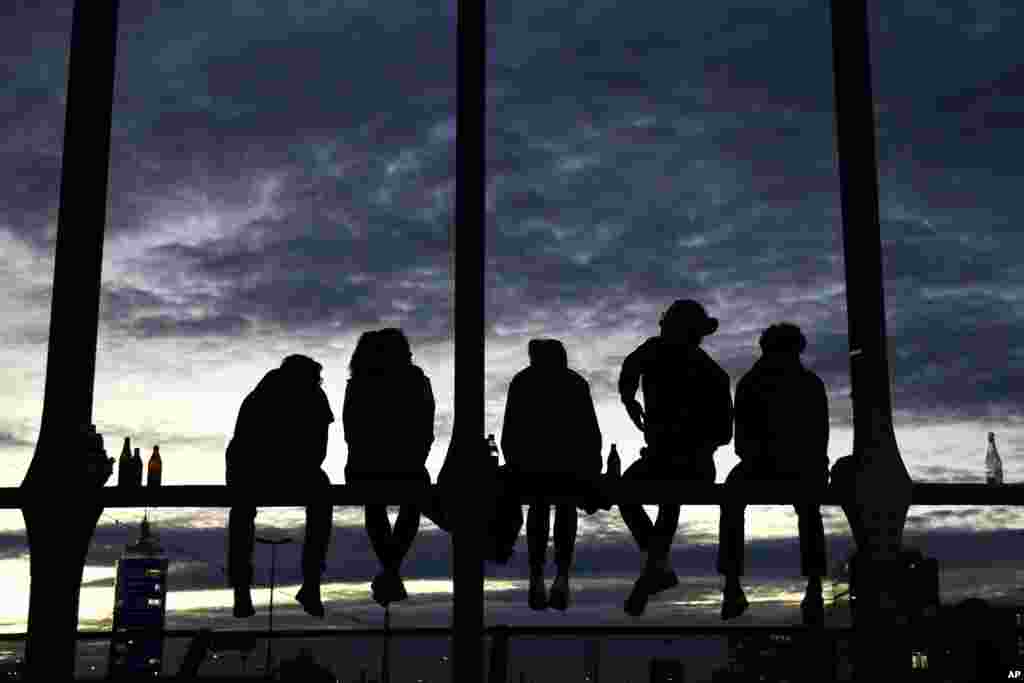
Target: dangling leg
812, 562
319, 515
730, 546
406, 527
565, 541
378, 528
538, 529
659, 569
241, 540
642, 529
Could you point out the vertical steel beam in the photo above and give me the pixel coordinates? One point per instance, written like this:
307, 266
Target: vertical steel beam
468, 611
880, 488
862, 246
59, 533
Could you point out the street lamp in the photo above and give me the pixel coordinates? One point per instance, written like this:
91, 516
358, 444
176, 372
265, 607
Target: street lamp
273, 568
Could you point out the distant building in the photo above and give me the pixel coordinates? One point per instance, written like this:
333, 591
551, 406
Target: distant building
666, 671
918, 585
969, 640
140, 606
779, 657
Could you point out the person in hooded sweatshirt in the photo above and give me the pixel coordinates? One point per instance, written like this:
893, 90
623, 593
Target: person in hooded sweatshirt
388, 418
280, 437
550, 431
781, 435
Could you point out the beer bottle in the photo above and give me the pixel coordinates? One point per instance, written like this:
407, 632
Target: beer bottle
614, 463
124, 465
155, 467
135, 478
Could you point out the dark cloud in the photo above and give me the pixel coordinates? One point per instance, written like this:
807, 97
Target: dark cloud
302, 174
217, 325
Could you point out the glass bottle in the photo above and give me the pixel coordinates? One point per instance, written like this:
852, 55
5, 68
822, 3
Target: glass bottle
993, 463
124, 465
155, 469
614, 463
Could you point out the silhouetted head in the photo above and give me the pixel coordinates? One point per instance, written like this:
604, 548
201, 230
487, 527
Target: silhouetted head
547, 353
783, 338
687, 321
991, 436
379, 350
364, 355
394, 347
301, 367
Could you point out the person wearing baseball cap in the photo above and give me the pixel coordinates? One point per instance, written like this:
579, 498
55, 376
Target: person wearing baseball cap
685, 416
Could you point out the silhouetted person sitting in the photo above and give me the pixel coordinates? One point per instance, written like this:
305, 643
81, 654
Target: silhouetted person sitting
389, 426
781, 435
281, 439
550, 433
687, 414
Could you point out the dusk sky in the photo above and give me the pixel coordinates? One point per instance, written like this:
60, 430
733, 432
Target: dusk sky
282, 179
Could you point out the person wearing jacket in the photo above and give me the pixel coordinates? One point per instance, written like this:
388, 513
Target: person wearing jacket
388, 417
781, 435
283, 420
685, 417
550, 432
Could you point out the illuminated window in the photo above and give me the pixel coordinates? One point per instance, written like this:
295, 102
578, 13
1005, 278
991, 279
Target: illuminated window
153, 602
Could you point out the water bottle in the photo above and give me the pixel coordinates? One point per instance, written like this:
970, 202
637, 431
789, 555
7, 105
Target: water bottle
124, 465
993, 464
614, 463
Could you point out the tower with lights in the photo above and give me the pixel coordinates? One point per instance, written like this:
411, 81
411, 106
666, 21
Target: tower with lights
140, 606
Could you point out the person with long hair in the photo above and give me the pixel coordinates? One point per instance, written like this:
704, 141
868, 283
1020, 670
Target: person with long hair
388, 417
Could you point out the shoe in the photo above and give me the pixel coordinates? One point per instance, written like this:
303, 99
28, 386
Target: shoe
813, 609
636, 603
734, 603
538, 599
558, 597
309, 597
243, 604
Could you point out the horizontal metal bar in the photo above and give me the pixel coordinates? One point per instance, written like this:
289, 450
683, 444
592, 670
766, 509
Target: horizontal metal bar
647, 493
647, 631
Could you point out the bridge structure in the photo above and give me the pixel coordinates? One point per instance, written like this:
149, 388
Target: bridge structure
62, 495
